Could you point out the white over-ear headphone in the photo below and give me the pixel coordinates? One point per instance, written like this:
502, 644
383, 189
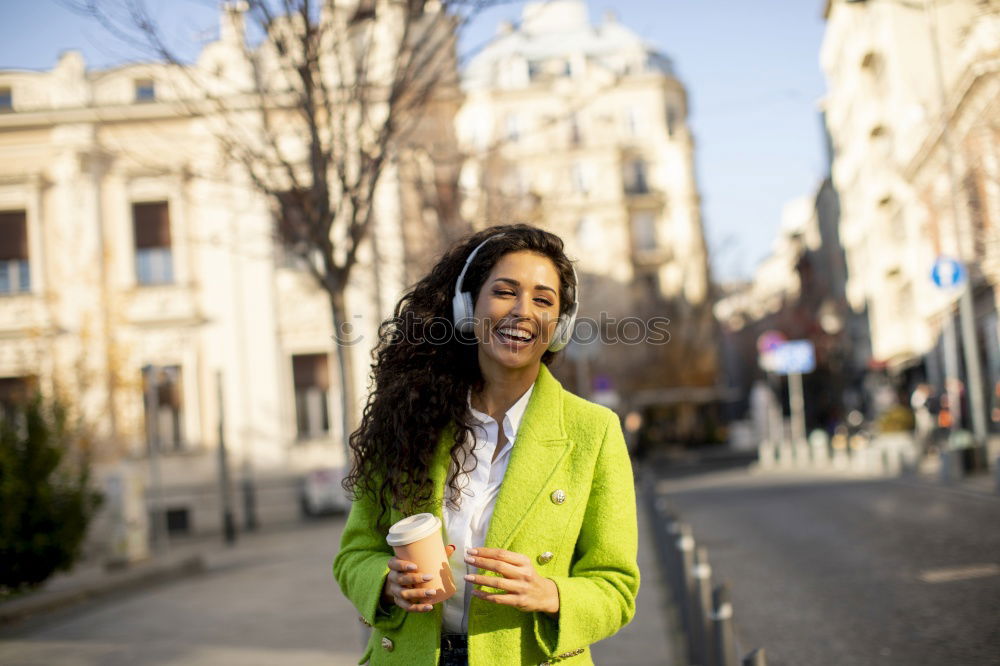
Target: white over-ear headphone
462, 308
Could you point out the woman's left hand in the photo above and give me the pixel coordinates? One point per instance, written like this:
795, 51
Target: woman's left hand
522, 587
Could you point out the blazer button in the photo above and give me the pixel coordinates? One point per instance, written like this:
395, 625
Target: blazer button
387, 644
558, 496
545, 557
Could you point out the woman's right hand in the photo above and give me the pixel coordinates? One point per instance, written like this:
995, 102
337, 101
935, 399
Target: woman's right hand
399, 587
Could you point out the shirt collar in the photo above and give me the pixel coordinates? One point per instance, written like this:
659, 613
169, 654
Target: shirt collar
512, 419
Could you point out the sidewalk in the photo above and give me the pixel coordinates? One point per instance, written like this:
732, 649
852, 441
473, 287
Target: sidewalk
646, 640
205, 567
92, 580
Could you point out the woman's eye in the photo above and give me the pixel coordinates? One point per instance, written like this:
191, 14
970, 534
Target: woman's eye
544, 301
503, 292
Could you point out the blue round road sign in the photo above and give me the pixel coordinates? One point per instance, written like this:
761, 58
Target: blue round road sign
947, 272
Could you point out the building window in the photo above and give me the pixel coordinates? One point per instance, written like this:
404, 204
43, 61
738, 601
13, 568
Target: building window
651, 285
153, 256
145, 90
513, 128
292, 229
581, 178
644, 230
575, 136
14, 392
15, 271
6, 99
163, 407
635, 177
632, 122
311, 375
873, 64
178, 521
588, 233
671, 120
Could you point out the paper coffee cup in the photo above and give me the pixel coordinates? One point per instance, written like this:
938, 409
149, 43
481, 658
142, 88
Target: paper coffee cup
417, 539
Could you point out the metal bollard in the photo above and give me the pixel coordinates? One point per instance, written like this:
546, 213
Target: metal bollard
685, 547
996, 473
755, 658
672, 561
722, 628
951, 466
701, 638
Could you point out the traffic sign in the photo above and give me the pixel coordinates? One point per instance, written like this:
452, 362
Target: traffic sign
767, 343
795, 357
947, 272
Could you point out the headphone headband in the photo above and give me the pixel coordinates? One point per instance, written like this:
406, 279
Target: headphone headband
468, 262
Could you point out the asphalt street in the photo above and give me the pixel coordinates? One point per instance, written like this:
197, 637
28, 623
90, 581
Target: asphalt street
270, 600
834, 572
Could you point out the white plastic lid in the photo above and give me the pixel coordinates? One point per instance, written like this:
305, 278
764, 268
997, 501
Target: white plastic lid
413, 528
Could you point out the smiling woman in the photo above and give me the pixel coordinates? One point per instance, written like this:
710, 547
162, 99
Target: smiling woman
532, 484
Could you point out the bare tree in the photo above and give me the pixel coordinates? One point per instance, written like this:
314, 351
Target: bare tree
323, 96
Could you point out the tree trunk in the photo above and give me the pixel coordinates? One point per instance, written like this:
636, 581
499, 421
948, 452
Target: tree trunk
345, 365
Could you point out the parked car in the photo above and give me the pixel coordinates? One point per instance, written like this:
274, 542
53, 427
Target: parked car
322, 492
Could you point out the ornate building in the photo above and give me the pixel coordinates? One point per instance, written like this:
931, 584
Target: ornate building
128, 240
582, 129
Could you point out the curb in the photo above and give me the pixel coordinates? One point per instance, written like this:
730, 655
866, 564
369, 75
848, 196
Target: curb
48, 601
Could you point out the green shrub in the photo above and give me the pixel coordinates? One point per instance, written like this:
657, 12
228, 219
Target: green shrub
45, 498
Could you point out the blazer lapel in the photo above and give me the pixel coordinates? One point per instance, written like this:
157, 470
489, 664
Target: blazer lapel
540, 445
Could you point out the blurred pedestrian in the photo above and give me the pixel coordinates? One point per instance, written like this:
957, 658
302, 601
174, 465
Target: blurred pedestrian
534, 484
923, 419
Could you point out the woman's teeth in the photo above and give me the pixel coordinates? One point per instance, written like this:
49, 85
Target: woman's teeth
515, 334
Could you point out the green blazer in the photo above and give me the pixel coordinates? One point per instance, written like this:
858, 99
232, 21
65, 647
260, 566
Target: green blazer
563, 443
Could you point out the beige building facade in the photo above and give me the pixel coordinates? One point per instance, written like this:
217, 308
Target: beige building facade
912, 106
128, 240
582, 129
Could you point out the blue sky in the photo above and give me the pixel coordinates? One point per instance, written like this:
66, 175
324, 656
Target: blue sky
751, 70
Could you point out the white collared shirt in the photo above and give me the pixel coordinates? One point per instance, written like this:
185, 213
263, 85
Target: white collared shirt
467, 527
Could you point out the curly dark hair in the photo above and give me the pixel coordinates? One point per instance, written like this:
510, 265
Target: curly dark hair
423, 371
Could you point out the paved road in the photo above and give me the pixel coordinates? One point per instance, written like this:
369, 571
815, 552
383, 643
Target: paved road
272, 600
828, 572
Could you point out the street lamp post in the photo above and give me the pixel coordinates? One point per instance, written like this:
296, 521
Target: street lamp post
225, 497
151, 373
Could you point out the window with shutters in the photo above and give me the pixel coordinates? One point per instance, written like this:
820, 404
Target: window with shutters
15, 270
311, 374
164, 404
153, 257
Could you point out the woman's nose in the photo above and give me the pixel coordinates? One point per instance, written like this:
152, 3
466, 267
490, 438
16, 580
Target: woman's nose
522, 306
